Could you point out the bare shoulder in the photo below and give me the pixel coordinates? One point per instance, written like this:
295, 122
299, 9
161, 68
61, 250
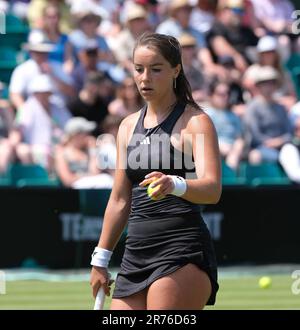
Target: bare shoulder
127, 126
130, 120
197, 120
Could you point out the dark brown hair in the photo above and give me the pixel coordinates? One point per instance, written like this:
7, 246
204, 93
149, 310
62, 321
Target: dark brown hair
170, 49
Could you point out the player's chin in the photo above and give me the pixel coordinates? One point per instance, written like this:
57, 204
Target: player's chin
149, 95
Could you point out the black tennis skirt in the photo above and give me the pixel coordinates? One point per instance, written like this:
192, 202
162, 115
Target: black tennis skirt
157, 247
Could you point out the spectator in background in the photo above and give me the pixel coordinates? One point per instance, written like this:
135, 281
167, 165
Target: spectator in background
128, 100
179, 22
89, 104
151, 7
289, 156
75, 158
267, 123
136, 23
228, 125
192, 67
39, 49
228, 37
88, 60
275, 16
35, 14
107, 9
87, 25
106, 144
87, 31
267, 50
39, 125
6, 124
204, 15
62, 51
233, 79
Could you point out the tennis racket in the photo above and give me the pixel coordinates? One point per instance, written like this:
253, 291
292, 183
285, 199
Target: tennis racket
100, 297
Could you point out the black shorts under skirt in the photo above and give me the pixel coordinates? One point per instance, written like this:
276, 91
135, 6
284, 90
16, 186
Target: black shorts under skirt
157, 247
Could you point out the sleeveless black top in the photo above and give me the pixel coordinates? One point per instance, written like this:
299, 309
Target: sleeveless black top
151, 150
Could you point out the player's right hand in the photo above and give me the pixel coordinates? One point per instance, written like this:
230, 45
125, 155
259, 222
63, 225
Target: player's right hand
100, 278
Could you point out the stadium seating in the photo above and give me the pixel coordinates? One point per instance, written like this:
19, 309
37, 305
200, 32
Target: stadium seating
230, 176
15, 24
16, 32
264, 174
15, 35
293, 68
5, 182
8, 61
30, 175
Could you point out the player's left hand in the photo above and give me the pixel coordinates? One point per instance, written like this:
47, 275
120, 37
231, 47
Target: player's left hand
162, 180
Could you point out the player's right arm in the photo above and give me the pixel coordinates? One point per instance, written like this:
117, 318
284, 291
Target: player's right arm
118, 207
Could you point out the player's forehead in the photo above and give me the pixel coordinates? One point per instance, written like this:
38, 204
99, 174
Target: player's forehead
147, 56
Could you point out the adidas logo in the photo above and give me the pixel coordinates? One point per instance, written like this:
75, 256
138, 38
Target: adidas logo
146, 140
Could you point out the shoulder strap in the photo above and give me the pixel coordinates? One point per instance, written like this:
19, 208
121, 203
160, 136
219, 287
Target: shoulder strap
168, 124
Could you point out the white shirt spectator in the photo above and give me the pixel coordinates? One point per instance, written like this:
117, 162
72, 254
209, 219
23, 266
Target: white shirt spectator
25, 73
37, 126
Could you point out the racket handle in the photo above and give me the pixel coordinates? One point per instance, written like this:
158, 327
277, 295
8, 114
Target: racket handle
100, 298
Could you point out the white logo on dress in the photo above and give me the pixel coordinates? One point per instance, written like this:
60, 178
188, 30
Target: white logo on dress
146, 140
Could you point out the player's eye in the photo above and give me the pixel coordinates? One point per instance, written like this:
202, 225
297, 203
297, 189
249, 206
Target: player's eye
138, 69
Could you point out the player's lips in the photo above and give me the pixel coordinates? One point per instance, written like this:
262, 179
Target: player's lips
146, 90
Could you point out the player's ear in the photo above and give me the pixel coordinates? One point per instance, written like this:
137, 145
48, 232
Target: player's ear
177, 70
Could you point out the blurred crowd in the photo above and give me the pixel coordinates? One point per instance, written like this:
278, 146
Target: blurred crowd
67, 98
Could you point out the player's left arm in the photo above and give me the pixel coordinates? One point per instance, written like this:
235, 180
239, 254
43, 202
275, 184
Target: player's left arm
207, 187
200, 139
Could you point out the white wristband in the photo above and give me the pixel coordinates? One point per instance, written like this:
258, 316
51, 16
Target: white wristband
180, 185
101, 257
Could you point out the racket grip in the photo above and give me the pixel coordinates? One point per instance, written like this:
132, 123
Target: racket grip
100, 298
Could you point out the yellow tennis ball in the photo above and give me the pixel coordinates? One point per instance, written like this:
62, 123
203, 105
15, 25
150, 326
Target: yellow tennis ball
151, 190
265, 282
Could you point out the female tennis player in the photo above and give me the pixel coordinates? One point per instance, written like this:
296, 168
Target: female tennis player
169, 260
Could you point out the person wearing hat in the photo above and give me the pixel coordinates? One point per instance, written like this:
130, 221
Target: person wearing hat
192, 66
75, 157
268, 55
39, 48
38, 124
178, 22
266, 121
135, 23
88, 22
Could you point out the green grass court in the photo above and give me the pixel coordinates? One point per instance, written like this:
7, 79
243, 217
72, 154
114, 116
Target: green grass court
236, 292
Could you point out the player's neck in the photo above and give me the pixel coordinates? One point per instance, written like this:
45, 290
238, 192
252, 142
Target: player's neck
162, 107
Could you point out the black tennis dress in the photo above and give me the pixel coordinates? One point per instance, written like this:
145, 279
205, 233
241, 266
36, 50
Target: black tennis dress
166, 234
